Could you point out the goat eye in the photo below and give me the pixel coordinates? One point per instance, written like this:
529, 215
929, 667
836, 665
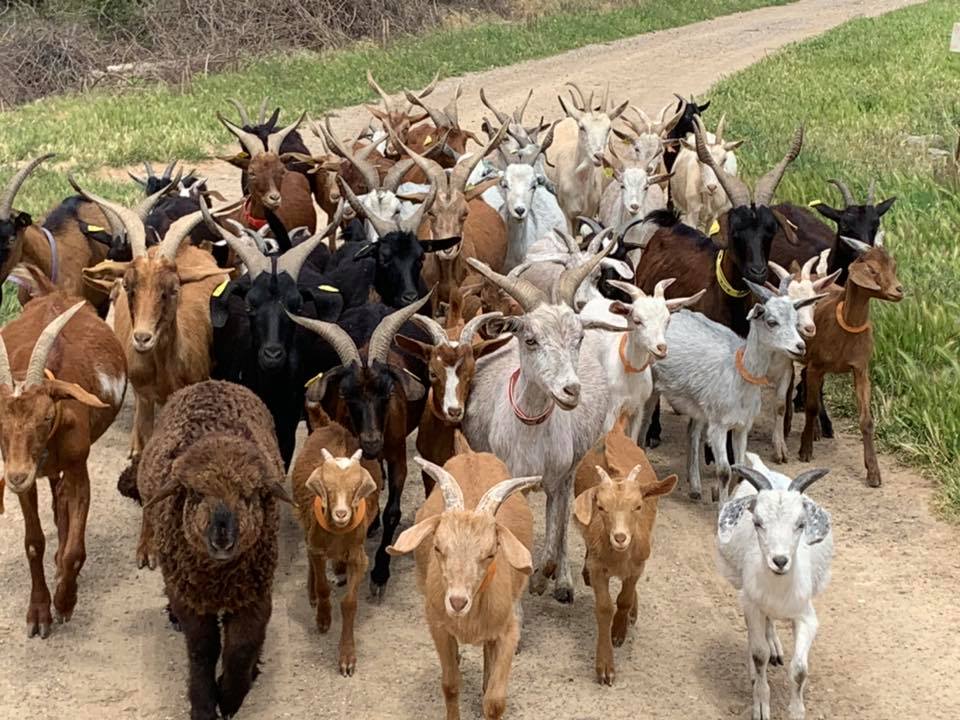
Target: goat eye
639, 507
757, 524
772, 323
531, 342
801, 525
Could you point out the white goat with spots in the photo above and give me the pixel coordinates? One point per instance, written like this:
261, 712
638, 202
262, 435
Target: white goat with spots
775, 546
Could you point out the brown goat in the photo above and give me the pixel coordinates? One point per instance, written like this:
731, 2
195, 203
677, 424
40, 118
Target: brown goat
70, 392
615, 509
15, 226
338, 498
473, 567
162, 314
844, 343
396, 117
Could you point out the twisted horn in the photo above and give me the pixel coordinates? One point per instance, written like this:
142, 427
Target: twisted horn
570, 279
276, 138
493, 498
382, 337
333, 334
241, 111
736, 189
178, 230
473, 325
528, 295
436, 331
44, 344
250, 142
13, 187
291, 262
452, 494
370, 175
767, 185
754, 477
807, 478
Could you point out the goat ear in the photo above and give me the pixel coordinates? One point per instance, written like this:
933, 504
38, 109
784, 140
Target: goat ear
827, 211
858, 275
164, 492
618, 308
789, 229
886, 205
730, 515
220, 304
364, 489
480, 188
817, 524
515, 551
193, 274
755, 312
61, 390
318, 386
583, 506
621, 268
240, 160
662, 487
722, 238
22, 220
489, 346
503, 325
411, 538
412, 387
414, 347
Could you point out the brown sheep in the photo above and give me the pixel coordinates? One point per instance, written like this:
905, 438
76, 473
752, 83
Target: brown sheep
615, 515
210, 478
473, 567
338, 498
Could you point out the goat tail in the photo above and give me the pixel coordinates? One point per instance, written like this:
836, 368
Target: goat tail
663, 218
127, 483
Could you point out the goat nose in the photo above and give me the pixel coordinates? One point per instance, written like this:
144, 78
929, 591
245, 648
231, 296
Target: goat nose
17, 481
633, 208
341, 515
519, 211
458, 602
620, 538
573, 389
780, 561
142, 338
408, 298
662, 349
272, 199
712, 188
810, 330
801, 347
455, 412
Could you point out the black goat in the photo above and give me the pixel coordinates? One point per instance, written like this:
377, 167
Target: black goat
618, 253
684, 126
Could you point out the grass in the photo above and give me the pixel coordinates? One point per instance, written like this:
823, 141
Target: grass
859, 89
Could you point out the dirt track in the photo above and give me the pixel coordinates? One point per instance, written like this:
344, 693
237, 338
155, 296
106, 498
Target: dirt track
888, 646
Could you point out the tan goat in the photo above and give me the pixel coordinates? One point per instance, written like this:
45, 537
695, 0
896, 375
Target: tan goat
338, 497
615, 509
473, 567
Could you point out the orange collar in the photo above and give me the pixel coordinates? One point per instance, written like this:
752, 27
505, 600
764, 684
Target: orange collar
744, 373
855, 330
254, 223
488, 577
630, 369
320, 513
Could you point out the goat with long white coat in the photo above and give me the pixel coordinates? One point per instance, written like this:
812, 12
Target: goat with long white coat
634, 193
714, 377
549, 365
775, 546
529, 208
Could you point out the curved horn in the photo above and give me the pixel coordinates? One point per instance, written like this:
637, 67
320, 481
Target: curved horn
528, 295
262, 112
736, 189
630, 289
168, 170
394, 176
381, 227
462, 170
438, 336
493, 498
244, 246
571, 244
145, 206
291, 262
754, 477
718, 134
518, 113
250, 142
6, 377
241, 111
132, 224
276, 138
844, 191
430, 87
452, 494
13, 187
767, 185
333, 334
780, 271
431, 168
857, 246
41, 350
412, 223
594, 226
438, 117
375, 86
382, 337
179, 229
570, 279
808, 267
547, 139
473, 325
807, 478
370, 175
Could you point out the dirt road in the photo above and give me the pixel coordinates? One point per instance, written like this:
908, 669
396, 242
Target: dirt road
889, 642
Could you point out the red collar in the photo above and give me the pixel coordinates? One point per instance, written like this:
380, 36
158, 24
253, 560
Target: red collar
254, 223
628, 368
745, 374
522, 416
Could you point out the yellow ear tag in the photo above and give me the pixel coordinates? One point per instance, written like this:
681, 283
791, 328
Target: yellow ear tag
715, 228
95, 228
813, 203
428, 140
312, 380
326, 288
608, 171
218, 290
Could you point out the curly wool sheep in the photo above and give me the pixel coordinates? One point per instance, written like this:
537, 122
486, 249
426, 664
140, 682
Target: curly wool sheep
210, 477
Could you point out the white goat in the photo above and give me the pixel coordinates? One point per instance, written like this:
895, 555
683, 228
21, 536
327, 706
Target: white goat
530, 210
694, 187
714, 376
781, 373
577, 155
540, 402
633, 194
775, 546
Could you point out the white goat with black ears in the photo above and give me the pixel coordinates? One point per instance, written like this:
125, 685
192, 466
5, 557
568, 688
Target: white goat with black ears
775, 546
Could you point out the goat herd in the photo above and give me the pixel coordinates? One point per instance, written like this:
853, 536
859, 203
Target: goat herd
525, 305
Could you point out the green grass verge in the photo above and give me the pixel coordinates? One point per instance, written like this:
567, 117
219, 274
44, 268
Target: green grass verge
859, 88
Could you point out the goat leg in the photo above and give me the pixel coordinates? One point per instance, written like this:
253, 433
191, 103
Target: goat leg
654, 431
788, 406
75, 489
356, 569
563, 584
39, 618
804, 631
603, 609
814, 383
397, 474
826, 425
759, 658
694, 433
243, 636
321, 592
202, 634
717, 438
447, 649
626, 602
781, 394
861, 384
495, 691
146, 551
60, 518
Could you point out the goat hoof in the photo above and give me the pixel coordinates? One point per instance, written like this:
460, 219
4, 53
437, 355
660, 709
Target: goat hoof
873, 479
806, 454
694, 495
340, 580
563, 595
348, 665
606, 674
41, 630
653, 442
715, 493
377, 592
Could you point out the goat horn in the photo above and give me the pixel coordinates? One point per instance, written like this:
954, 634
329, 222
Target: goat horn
44, 344
276, 138
844, 191
574, 86
381, 226
394, 176
736, 189
262, 112
754, 477
241, 111
605, 99
462, 171
548, 139
780, 271
333, 334
250, 142
807, 478
767, 185
139, 181
438, 336
571, 278
452, 494
665, 128
571, 244
473, 326
132, 224
493, 498
179, 229
168, 170
13, 187
436, 116
241, 244
430, 87
431, 168
502, 117
808, 267
163, 493
858, 246
370, 175
382, 337
145, 206
518, 113
412, 223
528, 295
291, 262
630, 289
870, 192
375, 86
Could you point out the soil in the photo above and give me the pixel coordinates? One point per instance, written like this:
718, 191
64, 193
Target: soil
888, 645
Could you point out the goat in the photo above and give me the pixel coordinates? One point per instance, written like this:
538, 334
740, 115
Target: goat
844, 342
210, 479
396, 117
376, 398
577, 153
616, 517
73, 383
775, 547
472, 568
634, 193
714, 377
16, 226
162, 314
337, 497
446, 135
689, 113
646, 138
550, 363
520, 144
